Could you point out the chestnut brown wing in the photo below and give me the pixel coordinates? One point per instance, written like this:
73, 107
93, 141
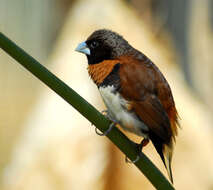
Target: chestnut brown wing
139, 85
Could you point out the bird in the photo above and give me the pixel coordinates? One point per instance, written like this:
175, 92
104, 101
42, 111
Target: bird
135, 92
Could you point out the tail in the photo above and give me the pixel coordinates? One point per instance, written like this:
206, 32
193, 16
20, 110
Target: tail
167, 159
165, 151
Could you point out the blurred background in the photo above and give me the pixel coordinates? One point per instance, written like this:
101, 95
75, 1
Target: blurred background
45, 144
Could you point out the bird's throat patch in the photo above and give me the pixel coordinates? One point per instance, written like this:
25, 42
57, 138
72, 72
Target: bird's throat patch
98, 72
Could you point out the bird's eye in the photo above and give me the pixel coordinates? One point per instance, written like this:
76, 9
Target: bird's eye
94, 44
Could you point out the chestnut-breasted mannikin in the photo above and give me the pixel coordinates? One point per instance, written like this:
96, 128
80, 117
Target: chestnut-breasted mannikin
135, 92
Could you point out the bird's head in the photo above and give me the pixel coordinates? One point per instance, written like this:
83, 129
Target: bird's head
104, 45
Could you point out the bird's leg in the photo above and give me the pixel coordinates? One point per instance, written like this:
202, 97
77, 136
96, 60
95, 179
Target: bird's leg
106, 114
139, 147
143, 143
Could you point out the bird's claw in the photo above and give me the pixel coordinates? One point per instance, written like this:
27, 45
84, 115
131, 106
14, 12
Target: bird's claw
139, 147
127, 160
106, 132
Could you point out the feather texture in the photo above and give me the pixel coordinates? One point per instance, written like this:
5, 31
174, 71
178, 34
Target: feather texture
151, 99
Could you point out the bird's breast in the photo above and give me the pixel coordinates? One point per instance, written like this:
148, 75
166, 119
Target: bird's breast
117, 108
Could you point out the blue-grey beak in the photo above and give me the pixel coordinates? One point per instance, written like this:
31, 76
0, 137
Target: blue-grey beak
83, 48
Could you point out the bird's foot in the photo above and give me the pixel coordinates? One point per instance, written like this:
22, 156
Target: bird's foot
139, 147
107, 115
107, 131
127, 160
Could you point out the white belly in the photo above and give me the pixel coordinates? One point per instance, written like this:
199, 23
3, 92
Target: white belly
116, 106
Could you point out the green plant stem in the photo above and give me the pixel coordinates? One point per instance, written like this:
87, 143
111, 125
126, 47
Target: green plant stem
87, 110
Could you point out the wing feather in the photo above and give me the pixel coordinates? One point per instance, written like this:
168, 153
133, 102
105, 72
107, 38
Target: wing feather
142, 84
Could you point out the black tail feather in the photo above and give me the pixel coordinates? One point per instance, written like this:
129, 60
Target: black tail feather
165, 152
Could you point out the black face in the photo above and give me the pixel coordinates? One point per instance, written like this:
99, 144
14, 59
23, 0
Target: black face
106, 45
98, 51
